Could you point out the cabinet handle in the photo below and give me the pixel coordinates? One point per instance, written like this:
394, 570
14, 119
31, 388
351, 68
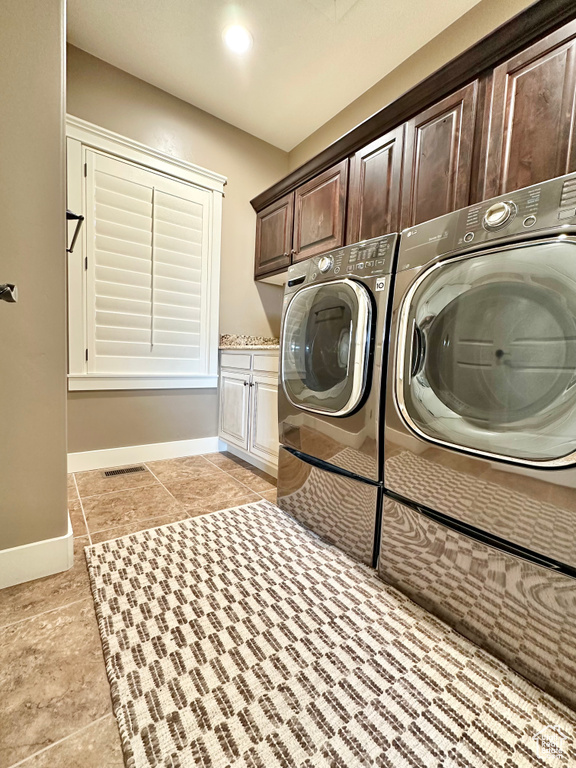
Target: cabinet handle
293, 252
252, 384
245, 383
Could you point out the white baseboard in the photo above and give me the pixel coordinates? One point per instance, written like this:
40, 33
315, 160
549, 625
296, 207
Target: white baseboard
36, 560
265, 466
134, 454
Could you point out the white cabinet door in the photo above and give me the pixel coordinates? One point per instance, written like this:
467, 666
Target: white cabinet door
264, 427
234, 405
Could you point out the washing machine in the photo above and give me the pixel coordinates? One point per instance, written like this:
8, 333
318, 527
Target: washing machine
333, 346
479, 515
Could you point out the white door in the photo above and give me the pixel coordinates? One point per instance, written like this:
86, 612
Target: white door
264, 428
234, 404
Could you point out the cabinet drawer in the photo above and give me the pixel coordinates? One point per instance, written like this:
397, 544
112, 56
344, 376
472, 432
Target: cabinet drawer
266, 363
235, 360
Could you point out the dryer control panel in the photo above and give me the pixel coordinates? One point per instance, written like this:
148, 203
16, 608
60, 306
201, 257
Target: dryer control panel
521, 214
368, 258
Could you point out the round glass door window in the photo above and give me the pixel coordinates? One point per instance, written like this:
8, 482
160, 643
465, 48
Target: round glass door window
489, 353
325, 345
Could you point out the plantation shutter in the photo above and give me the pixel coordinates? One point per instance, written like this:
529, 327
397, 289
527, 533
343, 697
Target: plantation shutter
147, 274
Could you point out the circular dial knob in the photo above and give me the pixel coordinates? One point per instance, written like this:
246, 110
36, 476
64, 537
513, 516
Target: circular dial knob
498, 215
325, 263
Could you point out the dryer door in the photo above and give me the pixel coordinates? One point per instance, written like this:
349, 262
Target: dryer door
487, 353
325, 347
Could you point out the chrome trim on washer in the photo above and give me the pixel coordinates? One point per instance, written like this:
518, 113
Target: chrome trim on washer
402, 338
360, 349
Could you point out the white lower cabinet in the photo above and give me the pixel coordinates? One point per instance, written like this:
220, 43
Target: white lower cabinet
264, 421
234, 408
248, 419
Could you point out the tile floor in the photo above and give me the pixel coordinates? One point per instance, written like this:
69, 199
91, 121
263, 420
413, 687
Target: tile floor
56, 709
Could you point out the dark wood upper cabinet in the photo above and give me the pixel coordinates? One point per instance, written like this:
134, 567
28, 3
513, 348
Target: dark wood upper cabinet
374, 189
438, 157
532, 104
319, 213
507, 128
274, 225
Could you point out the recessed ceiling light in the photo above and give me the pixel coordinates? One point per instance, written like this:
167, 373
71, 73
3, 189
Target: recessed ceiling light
237, 38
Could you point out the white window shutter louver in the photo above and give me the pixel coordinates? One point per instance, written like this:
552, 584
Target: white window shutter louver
148, 278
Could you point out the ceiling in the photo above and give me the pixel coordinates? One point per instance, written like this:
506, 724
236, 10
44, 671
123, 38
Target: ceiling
309, 60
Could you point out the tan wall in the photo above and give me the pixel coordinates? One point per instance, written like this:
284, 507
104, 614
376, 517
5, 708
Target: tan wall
467, 30
106, 96
147, 416
32, 255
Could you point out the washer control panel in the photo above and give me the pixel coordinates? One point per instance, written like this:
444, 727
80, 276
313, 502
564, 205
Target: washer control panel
550, 206
498, 215
368, 258
325, 263
498, 218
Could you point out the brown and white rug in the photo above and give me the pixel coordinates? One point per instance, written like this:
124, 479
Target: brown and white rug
240, 639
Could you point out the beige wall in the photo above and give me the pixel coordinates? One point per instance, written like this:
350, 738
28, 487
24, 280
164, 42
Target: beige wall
104, 95
477, 23
32, 255
146, 416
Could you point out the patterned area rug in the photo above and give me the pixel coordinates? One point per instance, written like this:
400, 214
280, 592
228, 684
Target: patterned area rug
240, 639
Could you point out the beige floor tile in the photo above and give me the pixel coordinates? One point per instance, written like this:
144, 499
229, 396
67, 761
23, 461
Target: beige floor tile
140, 525
94, 482
77, 519
72, 491
226, 460
212, 488
270, 496
186, 468
33, 597
52, 679
97, 746
205, 507
114, 509
255, 479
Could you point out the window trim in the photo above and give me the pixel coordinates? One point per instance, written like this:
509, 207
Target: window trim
80, 136
82, 382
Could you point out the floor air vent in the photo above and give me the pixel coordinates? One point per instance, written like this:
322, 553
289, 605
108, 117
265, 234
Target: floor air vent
123, 471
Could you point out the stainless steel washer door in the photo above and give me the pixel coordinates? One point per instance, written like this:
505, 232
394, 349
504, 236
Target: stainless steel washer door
487, 353
325, 345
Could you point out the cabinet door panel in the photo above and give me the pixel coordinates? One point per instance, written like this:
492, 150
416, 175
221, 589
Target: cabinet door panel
374, 191
319, 215
274, 236
234, 404
532, 115
264, 432
438, 158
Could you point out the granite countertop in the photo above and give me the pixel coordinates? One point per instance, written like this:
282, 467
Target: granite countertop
236, 341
